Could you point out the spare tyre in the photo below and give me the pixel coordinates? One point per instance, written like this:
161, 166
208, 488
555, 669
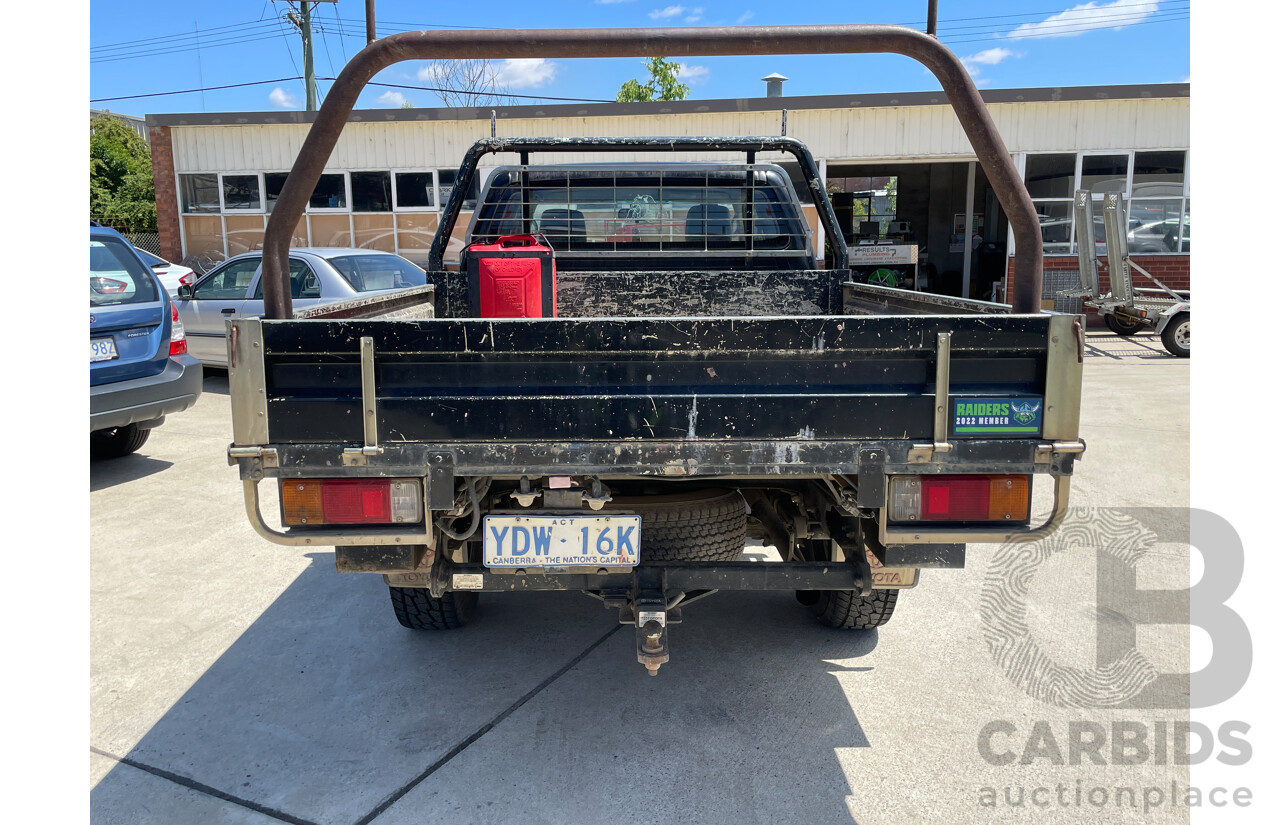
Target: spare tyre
701, 525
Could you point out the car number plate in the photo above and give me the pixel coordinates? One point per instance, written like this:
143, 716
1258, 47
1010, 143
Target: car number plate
561, 541
102, 349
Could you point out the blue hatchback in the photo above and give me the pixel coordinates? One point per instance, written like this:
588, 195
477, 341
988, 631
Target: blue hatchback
139, 369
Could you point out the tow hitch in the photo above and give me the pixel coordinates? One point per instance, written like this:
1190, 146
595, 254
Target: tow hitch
651, 596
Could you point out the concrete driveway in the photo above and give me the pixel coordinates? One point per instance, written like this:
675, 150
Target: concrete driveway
236, 681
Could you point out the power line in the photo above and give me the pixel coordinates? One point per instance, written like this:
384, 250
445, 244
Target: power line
184, 47
331, 79
192, 91
977, 38
1105, 21
495, 94
176, 38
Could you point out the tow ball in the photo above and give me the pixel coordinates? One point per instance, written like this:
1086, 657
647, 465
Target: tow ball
652, 649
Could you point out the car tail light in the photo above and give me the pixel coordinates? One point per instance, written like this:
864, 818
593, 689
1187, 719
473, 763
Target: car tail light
188, 279
350, 501
106, 286
954, 498
177, 335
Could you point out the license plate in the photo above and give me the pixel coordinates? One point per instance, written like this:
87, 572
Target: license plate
102, 349
561, 541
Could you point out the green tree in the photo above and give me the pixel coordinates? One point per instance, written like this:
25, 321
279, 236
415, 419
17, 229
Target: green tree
122, 192
663, 83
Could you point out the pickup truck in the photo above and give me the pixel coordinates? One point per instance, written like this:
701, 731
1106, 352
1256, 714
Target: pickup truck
705, 383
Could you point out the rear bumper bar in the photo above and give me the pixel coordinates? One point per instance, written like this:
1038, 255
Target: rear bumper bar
173, 389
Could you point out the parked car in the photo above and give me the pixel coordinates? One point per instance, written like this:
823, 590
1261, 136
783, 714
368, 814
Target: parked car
318, 276
139, 369
171, 275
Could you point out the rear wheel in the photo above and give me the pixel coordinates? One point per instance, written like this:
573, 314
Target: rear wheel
117, 441
417, 609
1176, 336
707, 525
1122, 326
847, 610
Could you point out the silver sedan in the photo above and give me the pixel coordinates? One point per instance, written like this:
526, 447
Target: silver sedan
318, 276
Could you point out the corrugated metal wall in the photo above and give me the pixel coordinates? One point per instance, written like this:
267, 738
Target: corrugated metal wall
889, 133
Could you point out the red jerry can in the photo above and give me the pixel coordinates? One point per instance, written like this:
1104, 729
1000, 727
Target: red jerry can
513, 278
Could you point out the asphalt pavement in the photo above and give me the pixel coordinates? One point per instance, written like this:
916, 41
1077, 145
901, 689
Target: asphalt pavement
236, 681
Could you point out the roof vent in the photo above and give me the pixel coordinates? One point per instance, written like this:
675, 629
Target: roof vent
773, 84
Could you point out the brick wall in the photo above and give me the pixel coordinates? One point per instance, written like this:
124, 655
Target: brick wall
1174, 271
166, 194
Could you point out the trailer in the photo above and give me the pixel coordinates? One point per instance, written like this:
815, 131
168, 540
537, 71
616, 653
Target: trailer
1124, 308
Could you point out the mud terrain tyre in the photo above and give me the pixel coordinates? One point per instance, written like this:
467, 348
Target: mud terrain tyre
846, 610
705, 525
417, 609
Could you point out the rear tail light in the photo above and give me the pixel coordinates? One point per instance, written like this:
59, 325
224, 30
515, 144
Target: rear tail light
312, 501
188, 279
954, 498
106, 286
177, 334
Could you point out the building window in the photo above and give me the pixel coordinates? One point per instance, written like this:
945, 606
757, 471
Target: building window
241, 193
330, 193
1051, 183
1154, 185
1159, 213
199, 194
370, 191
447, 178
415, 190
869, 200
273, 183
1104, 173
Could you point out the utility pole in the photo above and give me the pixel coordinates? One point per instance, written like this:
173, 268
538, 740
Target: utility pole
308, 61
303, 21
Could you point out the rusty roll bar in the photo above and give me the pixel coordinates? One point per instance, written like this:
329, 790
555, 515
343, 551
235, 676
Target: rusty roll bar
689, 42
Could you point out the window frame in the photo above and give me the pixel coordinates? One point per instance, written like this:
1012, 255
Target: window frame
182, 206
331, 210
391, 206
395, 190
222, 195
1184, 199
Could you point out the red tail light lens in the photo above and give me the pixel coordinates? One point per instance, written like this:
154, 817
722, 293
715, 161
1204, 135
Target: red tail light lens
188, 279
177, 334
312, 501
956, 498
356, 502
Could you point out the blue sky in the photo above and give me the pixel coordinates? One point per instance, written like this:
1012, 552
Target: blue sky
145, 46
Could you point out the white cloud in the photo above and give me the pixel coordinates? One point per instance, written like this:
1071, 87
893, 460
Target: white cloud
667, 13
694, 15
281, 99
391, 99
1079, 19
746, 15
693, 74
990, 57
526, 72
